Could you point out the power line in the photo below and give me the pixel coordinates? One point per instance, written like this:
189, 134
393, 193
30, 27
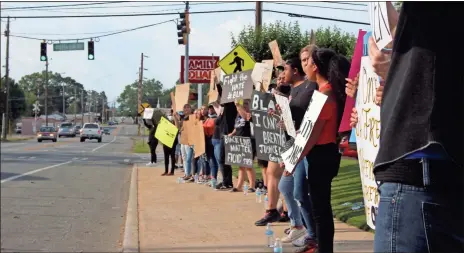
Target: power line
57, 6
320, 18
356, 4
99, 36
106, 13
316, 6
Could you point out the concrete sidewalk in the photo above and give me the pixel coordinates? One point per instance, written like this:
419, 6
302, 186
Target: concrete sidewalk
195, 218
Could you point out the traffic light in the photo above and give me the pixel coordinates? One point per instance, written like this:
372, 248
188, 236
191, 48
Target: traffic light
90, 53
43, 51
183, 28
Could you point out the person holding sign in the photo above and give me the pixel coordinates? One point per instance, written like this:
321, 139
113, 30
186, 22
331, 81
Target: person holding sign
186, 150
170, 153
328, 70
152, 141
243, 129
419, 166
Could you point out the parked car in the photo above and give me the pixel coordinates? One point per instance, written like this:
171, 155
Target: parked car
67, 131
77, 129
46, 133
91, 131
18, 130
345, 148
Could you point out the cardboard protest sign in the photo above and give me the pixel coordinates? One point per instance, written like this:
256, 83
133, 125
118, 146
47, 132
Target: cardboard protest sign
312, 38
354, 70
237, 86
238, 151
269, 139
182, 96
368, 136
378, 17
286, 114
166, 132
261, 76
278, 61
148, 113
196, 137
292, 154
184, 132
213, 94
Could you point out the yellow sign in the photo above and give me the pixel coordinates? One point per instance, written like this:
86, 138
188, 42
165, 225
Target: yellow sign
143, 106
166, 132
237, 60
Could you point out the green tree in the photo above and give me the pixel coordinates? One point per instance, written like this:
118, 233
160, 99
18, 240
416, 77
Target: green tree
291, 40
17, 103
127, 100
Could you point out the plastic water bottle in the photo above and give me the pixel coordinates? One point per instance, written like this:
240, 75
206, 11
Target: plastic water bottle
196, 178
269, 236
213, 183
278, 246
179, 180
245, 189
258, 196
266, 201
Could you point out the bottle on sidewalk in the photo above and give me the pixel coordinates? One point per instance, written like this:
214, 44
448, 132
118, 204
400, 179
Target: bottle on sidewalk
245, 189
266, 201
278, 246
269, 236
213, 183
258, 196
196, 178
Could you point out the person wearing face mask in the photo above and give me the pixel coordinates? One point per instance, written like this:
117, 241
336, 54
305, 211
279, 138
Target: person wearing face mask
186, 150
152, 141
209, 129
170, 153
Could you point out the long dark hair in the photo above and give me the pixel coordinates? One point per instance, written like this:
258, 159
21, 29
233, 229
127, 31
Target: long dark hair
335, 69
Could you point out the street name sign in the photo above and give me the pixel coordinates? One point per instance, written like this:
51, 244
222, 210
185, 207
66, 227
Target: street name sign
68, 46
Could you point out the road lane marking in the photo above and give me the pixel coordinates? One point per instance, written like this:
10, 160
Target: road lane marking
32, 172
126, 160
21, 157
32, 157
84, 159
97, 148
75, 158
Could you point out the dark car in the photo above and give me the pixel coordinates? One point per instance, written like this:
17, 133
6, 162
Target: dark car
106, 131
77, 129
46, 133
66, 131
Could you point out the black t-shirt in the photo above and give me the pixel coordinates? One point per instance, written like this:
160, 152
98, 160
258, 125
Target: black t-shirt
217, 128
422, 100
299, 100
229, 115
242, 127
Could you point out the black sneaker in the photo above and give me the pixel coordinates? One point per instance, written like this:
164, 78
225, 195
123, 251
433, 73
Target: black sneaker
270, 216
284, 217
220, 186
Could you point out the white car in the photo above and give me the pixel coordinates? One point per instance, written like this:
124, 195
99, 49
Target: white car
91, 131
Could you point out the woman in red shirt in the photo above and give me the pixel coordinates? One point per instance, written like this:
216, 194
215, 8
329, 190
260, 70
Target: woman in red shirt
329, 70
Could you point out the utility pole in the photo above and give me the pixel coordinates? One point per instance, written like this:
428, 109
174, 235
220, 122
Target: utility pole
82, 107
75, 104
259, 15
186, 69
6, 122
103, 110
64, 106
46, 93
139, 95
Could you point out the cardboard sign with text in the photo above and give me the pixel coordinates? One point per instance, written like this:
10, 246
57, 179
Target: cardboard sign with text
237, 86
199, 68
378, 17
286, 114
269, 139
181, 96
261, 76
293, 154
238, 151
278, 61
368, 136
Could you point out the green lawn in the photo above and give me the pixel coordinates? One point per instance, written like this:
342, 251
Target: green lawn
346, 187
140, 146
13, 139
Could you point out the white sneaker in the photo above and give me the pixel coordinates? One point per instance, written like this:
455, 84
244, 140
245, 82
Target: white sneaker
294, 235
150, 164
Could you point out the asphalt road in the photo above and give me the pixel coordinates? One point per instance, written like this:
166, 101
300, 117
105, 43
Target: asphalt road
66, 196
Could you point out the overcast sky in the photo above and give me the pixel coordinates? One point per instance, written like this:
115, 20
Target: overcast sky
117, 57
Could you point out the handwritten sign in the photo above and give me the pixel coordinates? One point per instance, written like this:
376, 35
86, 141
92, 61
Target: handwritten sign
166, 132
293, 153
148, 113
379, 23
238, 151
261, 76
286, 114
235, 86
367, 136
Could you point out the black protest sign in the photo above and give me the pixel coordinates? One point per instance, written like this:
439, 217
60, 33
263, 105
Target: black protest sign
261, 101
269, 138
237, 86
238, 151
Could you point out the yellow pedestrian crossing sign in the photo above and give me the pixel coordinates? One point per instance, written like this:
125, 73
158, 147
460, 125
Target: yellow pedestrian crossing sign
237, 60
143, 106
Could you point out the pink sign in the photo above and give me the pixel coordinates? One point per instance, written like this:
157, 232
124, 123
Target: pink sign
354, 70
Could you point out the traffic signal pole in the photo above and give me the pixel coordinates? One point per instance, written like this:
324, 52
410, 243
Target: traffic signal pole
186, 69
6, 122
46, 93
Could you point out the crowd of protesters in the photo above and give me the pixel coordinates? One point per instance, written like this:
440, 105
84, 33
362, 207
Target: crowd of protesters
419, 165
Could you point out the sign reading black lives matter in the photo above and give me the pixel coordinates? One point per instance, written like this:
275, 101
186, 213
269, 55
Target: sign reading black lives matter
237, 86
238, 151
292, 153
269, 138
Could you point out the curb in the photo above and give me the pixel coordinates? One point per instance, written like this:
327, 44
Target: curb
131, 228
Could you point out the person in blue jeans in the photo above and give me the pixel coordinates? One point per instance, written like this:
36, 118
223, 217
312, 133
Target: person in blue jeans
186, 150
216, 142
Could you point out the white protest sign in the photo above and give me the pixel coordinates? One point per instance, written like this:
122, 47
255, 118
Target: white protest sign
378, 18
286, 114
262, 75
367, 136
292, 155
148, 113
